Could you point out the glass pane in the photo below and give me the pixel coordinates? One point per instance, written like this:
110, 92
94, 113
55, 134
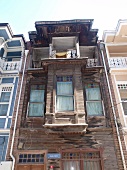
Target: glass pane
37, 96
9, 123
93, 94
71, 165
125, 107
36, 109
3, 147
7, 80
64, 88
65, 103
2, 122
3, 109
5, 96
94, 108
91, 165
123, 93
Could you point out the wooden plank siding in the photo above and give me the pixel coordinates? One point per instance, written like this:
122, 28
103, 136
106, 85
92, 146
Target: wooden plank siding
35, 137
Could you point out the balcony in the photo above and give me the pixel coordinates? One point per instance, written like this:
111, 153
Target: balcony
117, 62
62, 123
9, 66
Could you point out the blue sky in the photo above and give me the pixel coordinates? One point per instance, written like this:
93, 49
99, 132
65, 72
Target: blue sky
22, 14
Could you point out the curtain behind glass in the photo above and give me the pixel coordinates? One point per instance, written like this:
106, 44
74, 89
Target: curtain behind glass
64, 98
94, 108
64, 88
91, 165
36, 106
37, 96
36, 109
93, 94
71, 165
64, 103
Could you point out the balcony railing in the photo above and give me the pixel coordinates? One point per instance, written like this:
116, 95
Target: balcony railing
92, 63
9, 66
116, 62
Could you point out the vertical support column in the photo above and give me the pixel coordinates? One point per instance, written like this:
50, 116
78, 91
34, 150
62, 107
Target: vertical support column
79, 95
50, 50
77, 48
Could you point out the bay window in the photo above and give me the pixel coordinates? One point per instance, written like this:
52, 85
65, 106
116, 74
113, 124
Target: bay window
64, 94
93, 99
36, 102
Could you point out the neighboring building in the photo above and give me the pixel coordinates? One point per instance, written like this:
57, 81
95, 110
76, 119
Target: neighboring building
63, 114
114, 52
11, 52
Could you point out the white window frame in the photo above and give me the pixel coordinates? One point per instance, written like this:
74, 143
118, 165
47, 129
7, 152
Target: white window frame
120, 83
7, 116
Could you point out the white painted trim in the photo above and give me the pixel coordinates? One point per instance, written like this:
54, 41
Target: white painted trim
120, 101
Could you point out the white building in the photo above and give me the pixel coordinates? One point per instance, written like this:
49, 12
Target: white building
12, 48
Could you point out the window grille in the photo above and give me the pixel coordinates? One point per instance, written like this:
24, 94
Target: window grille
81, 160
31, 158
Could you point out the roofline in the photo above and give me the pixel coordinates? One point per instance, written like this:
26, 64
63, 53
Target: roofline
64, 22
20, 35
115, 31
8, 26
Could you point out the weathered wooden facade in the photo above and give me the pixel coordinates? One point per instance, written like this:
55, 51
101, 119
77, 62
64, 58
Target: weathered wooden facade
63, 116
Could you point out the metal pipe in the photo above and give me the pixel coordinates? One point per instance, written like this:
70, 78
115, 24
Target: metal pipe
117, 130
14, 130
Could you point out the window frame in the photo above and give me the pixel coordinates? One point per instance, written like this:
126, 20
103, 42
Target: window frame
92, 101
7, 117
44, 102
122, 85
58, 111
44, 152
81, 160
4, 135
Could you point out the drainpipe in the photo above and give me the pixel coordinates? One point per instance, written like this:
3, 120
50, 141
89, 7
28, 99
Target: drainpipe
117, 130
14, 130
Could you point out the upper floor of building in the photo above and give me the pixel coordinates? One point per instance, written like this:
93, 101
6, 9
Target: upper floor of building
12, 48
116, 46
63, 40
